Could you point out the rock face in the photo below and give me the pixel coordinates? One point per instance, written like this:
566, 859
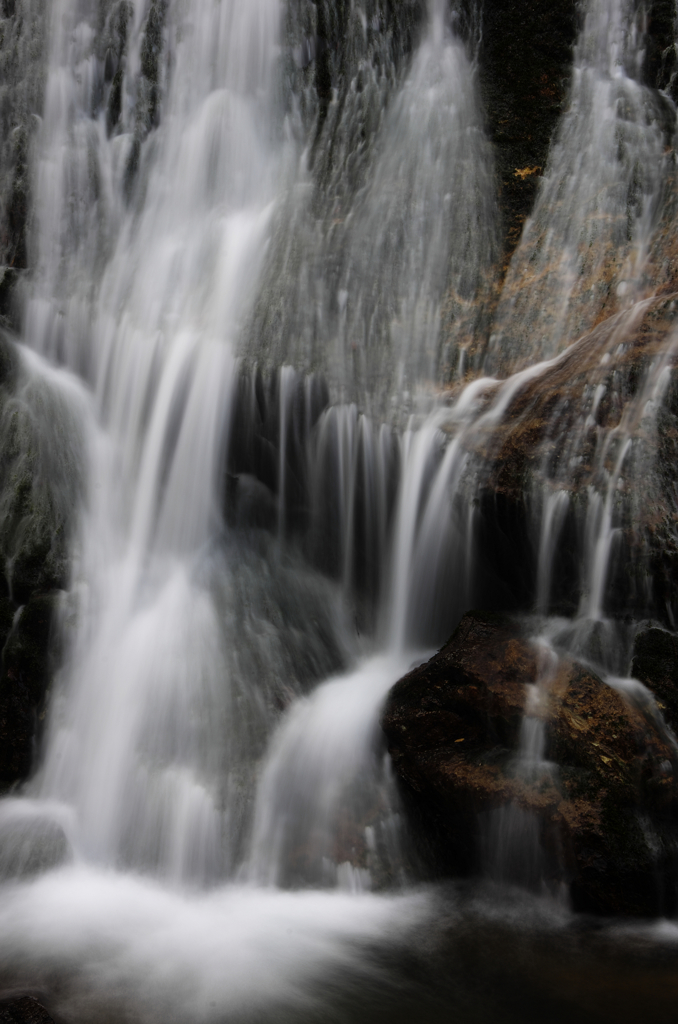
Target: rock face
525, 59
27, 663
24, 1010
560, 432
29, 844
23, 34
605, 820
655, 663
41, 464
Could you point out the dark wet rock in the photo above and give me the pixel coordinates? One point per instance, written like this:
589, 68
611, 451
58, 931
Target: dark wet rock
505, 567
41, 464
26, 649
655, 663
450, 724
525, 68
22, 76
606, 820
34, 535
618, 778
9, 277
30, 845
615, 355
27, 666
23, 1010
41, 467
661, 63
8, 365
322, 53
111, 46
39, 485
252, 478
525, 62
250, 504
150, 55
561, 431
149, 85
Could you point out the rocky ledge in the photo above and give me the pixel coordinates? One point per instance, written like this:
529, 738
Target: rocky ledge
605, 818
561, 431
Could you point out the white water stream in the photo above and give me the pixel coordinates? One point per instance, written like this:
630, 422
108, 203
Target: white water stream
152, 310
183, 644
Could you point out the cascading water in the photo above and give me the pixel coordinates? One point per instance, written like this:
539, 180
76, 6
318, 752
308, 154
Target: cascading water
265, 286
174, 269
512, 847
158, 176
599, 195
379, 287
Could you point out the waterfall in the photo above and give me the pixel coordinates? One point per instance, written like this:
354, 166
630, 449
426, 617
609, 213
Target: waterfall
599, 194
157, 270
162, 181
264, 238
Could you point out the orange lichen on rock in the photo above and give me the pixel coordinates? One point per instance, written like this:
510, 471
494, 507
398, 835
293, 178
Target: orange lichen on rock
526, 172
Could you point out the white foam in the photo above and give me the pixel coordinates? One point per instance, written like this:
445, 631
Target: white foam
125, 942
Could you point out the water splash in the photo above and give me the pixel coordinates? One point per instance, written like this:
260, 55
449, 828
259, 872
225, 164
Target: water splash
324, 809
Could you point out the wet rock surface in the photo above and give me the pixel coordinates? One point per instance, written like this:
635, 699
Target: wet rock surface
525, 58
564, 429
27, 664
23, 1010
30, 844
606, 818
40, 478
655, 663
661, 61
23, 34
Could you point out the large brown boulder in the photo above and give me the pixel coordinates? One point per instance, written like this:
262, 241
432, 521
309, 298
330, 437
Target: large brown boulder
606, 820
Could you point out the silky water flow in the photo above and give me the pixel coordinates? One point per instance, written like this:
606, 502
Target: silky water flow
184, 640
259, 554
